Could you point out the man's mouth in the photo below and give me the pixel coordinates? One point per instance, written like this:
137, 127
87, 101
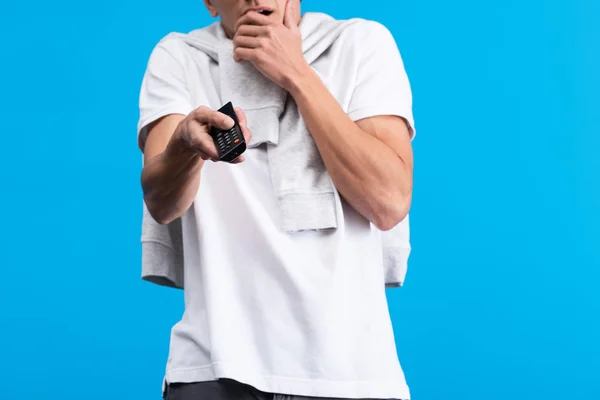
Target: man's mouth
261, 10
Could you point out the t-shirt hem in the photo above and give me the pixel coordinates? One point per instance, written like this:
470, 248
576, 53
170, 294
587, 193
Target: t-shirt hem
375, 389
371, 111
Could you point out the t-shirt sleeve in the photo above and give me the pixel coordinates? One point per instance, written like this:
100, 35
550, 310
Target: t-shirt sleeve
163, 89
382, 86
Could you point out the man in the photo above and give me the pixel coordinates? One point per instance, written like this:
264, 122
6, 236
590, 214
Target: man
271, 312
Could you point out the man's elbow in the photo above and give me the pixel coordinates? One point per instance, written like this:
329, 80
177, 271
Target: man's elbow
392, 214
163, 220
158, 213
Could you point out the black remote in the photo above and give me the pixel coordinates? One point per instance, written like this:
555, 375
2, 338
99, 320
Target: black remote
230, 143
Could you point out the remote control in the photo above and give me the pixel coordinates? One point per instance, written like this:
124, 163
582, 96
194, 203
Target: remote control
230, 143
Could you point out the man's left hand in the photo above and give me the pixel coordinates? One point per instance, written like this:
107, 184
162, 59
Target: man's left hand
274, 48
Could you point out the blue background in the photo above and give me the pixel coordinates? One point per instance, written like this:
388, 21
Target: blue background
502, 298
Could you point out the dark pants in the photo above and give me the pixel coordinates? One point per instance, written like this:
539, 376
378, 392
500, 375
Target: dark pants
223, 389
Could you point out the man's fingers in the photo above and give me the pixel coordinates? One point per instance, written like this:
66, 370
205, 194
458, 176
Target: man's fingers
289, 15
242, 53
205, 115
253, 18
200, 140
250, 30
249, 42
202, 154
243, 124
198, 134
239, 113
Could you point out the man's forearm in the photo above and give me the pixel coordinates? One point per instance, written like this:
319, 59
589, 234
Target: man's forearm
170, 183
370, 176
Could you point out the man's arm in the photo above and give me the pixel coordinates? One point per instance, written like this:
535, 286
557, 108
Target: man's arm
170, 179
174, 136
370, 161
174, 153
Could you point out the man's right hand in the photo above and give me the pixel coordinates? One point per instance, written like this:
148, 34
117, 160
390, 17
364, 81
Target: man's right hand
174, 152
192, 132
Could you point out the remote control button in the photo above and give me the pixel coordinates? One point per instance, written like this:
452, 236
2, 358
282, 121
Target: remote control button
236, 140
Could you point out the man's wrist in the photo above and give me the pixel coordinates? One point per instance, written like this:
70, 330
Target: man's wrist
301, 78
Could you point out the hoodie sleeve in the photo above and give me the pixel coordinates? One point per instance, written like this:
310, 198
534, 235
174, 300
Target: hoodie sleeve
382, 86
164, 88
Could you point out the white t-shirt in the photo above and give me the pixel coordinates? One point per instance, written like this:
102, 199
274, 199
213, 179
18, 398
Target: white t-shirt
300, 314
